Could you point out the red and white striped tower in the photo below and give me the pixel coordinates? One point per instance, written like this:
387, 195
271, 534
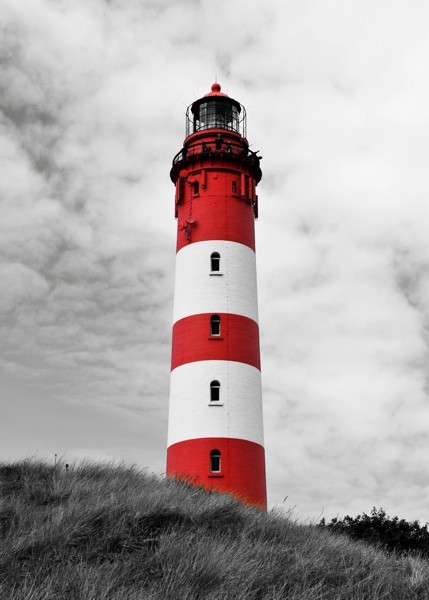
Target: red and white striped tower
215, 434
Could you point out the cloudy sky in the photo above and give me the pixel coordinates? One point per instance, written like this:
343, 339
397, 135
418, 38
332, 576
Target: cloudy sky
92, 101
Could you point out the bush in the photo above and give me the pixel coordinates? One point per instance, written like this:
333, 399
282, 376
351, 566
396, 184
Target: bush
378, 529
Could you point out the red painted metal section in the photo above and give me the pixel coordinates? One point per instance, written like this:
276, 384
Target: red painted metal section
239, 340
242, 467
216, 189
216, 212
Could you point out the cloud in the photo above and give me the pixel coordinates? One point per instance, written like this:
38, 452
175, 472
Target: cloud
86, 265
21, 285
93, 97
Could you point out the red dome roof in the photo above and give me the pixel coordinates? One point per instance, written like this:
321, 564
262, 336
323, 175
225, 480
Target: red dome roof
216, 91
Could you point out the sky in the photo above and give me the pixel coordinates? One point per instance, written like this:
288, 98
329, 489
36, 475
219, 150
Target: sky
93, 97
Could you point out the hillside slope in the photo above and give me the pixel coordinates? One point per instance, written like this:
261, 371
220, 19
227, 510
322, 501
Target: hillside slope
98, 532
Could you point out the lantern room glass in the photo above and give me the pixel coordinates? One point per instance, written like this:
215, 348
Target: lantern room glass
216, 113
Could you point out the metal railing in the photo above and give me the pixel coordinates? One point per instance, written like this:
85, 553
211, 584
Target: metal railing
217, 148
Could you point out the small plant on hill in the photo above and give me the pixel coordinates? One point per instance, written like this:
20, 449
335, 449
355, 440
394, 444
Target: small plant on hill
378, 529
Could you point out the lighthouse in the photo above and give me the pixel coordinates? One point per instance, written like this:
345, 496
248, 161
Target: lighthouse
215, 429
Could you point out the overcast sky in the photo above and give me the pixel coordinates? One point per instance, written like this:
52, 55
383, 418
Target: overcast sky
92, 98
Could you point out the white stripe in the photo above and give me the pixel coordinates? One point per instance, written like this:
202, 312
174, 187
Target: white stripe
197, 290
238, 413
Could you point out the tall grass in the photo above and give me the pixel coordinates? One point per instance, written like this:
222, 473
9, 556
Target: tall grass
98, 532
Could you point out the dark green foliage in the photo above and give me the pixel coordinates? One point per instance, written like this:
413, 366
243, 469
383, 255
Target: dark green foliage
391, 534
100, 532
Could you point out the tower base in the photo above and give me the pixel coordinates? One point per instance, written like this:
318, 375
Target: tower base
242, 467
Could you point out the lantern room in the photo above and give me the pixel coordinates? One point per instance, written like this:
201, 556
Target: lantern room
216, 111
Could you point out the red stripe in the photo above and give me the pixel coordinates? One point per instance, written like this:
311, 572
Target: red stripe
216, 213
239, 340
242, 467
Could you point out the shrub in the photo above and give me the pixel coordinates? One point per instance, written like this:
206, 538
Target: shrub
378, 529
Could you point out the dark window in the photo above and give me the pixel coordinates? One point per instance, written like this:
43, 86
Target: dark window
214, 391
215, 461
196, 188
215, 261
234, 187
215, 325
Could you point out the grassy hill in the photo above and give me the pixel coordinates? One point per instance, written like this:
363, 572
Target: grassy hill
98, 532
